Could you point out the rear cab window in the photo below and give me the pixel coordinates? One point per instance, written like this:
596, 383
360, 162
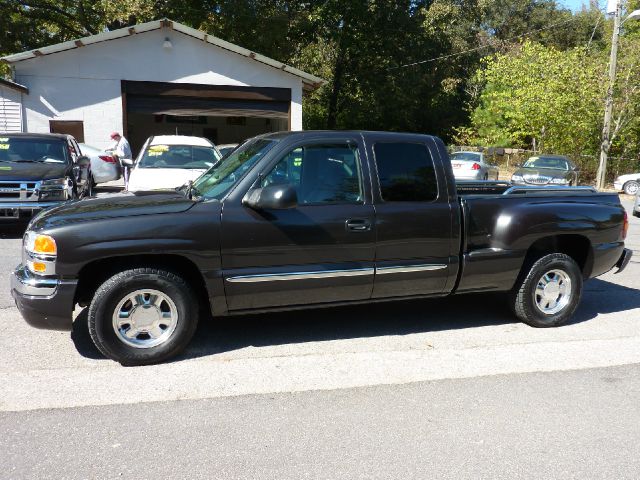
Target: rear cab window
406, 172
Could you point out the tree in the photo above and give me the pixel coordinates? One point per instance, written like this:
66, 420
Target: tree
541, 93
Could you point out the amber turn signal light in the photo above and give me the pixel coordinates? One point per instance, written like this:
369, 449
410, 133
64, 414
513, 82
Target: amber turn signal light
44, 244
39, 267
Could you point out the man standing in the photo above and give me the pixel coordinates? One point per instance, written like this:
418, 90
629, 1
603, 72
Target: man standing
122, 150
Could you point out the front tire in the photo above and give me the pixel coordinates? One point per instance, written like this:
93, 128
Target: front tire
631, 187
548, 294
143, 316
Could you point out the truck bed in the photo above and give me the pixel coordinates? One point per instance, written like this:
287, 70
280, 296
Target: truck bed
497, 229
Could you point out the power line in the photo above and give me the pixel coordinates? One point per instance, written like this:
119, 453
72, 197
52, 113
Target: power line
482, 47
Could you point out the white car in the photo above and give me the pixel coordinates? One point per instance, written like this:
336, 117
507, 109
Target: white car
170, 161
629, 184
104, 168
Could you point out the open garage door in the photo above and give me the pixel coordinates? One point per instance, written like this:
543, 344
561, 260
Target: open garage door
222, 113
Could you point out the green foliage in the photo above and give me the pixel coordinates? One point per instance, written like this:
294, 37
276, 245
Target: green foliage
541, 93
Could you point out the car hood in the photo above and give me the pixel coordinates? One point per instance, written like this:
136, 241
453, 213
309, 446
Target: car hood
544, 172
143, 179
629, 176
31, 171
113, 206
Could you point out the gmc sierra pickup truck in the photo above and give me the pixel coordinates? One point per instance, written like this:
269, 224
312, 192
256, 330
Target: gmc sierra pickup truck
310, 219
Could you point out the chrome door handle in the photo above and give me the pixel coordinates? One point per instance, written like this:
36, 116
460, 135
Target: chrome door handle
358, 225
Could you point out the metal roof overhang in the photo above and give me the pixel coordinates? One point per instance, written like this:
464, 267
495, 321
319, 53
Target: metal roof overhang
310, 82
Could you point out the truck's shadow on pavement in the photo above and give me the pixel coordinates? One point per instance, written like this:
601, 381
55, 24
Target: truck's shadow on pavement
365, 321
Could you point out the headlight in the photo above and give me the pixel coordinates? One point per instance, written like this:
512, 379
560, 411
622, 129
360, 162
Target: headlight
517, 178
64, 182
559, 181
56, 189
39, 244
40, 253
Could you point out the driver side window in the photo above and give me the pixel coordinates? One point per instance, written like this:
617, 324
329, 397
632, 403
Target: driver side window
321, 174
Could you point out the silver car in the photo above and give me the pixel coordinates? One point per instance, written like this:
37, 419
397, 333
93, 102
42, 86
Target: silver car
636, 205
104, 168
472, 166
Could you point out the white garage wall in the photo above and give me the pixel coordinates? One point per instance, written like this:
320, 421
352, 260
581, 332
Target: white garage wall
84, 83
10, 110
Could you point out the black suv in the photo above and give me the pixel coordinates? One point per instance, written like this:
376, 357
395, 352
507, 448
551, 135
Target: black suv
39, 171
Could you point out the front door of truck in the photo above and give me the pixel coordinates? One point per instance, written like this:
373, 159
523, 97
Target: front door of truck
322, 250
415, 252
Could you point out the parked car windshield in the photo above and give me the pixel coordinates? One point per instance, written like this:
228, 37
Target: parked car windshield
25, 149
179, 156
466, 156
547, 162
218, 180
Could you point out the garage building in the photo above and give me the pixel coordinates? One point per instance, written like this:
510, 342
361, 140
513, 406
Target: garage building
155, 78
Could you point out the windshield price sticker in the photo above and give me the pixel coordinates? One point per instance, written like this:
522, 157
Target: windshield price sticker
159, 148
4, 146
4, 139
152, 153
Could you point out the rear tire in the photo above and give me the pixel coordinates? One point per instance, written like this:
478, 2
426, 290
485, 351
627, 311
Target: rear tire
143, 316
548, 293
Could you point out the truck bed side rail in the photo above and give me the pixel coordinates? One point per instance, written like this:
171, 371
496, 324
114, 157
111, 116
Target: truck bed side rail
485, 187
549, 189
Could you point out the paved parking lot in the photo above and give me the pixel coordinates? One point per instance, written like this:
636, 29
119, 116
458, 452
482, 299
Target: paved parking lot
318, 350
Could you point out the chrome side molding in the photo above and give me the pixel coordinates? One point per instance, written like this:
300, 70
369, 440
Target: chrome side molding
301, 275
334, 273
409, 268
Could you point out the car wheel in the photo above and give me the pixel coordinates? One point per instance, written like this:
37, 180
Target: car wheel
549, 292
631, 187
143, 316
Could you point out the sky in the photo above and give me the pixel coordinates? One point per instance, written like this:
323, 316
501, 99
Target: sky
574, 4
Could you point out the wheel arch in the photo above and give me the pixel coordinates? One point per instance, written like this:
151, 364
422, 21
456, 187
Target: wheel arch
95, 273
575, 246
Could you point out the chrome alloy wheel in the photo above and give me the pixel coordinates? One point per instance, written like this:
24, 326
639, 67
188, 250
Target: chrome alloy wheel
145, 318
553, 292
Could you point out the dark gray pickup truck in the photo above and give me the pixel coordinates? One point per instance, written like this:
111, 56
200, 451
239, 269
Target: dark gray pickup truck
310, 219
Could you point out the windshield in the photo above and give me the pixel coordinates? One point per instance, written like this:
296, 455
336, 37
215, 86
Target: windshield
179, 156
467, 156
547, 162
215, 183
25, 149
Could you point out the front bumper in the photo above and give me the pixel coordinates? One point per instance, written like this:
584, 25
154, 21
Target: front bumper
43, 302
16, 210
617, 186
622, 263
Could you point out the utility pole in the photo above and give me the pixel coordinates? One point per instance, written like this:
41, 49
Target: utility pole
608, 106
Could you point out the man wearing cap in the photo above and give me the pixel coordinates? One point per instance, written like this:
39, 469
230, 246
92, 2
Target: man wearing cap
122, 150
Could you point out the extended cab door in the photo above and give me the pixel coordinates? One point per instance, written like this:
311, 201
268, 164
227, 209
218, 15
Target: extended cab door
320, 251
416, 247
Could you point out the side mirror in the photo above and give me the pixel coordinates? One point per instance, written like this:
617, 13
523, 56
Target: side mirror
83, 161
272, 197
